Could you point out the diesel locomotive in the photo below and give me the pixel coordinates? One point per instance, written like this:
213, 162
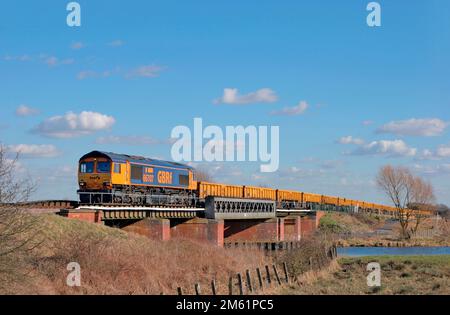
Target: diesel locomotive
110, 178
118, 178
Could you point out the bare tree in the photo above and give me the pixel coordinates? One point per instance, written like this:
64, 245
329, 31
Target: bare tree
17, 233
422, 199
406, 190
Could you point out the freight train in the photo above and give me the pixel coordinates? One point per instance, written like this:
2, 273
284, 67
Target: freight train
110, 178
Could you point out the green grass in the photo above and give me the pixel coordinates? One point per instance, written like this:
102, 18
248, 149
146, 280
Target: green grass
407, 260
53, 226
328, 223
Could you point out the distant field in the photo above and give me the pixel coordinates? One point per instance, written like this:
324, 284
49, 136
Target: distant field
399, 275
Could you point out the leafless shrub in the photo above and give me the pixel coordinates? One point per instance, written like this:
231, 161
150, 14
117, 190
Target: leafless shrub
311, 254
18, 236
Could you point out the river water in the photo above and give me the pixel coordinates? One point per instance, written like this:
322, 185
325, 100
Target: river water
381, 251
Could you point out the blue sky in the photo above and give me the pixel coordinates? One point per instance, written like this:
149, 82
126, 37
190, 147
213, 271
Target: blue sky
374, 96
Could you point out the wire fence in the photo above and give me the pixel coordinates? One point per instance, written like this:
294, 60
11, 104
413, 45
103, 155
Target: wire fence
255, 281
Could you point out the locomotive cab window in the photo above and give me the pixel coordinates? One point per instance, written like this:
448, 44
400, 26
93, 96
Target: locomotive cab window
117, 168
184, 180
103, 167
87, 167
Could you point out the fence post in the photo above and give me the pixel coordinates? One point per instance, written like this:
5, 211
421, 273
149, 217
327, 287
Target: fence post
249, 281
180, 291
197, 289
258, 272
286, 275
276, 274
241, 289
213, 287
230, 286
268, 275
311, 263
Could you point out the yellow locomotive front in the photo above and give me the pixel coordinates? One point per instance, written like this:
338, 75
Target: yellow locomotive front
94, 176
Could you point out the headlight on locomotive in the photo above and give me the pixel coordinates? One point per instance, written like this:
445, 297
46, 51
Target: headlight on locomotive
82, 184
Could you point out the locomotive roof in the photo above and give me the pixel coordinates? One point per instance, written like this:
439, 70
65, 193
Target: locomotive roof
133, 159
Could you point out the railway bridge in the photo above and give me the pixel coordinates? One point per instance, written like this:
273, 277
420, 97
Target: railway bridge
221, 221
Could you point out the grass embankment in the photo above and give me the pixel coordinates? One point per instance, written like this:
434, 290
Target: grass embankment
399, 275
116, 262
343, 223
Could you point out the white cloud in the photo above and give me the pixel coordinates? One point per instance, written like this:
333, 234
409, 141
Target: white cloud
331, 164
74, 125
130, 140
299, 109
77, 45
24, 110
86, 74
443, 151
231, 96
53, 61
367, 122
17, 58
34, 150
391, 148
350, 140
432, 170
116, 43
427, 155
415, 127
142, 71
149, 71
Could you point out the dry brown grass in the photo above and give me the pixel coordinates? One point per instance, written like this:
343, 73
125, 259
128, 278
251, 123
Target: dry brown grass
114, 262
338, 222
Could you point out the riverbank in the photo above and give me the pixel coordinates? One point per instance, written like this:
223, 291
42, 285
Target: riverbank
391, 251
365, 230
399, 275
382, 242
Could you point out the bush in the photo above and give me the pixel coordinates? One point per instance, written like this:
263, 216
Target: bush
298, 260
328, 224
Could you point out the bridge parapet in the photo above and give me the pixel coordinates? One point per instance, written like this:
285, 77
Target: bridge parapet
228, 209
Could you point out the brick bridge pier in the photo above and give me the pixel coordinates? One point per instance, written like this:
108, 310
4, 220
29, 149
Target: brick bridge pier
213, 231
